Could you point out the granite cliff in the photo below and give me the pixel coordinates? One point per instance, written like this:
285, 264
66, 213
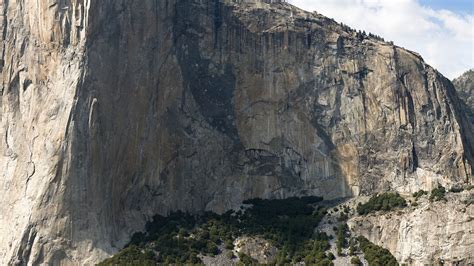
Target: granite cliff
465, 87
426, 233
115, 110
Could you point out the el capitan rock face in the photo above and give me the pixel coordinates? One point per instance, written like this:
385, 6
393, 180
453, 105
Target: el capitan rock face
113, 111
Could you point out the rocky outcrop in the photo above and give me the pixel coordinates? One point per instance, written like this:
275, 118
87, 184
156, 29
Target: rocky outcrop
114, 110
257, 248
465, 86
440, 231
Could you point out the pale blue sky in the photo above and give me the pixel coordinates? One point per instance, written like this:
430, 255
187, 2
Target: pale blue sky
458, 6
442, 31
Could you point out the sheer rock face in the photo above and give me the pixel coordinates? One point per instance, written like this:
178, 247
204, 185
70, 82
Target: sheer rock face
42, 62
465, 87
115, 110
428, 233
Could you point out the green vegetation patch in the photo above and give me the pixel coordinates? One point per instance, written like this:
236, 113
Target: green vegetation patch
384, 202
179, 238
420, 193
355, 261
246, 259
132, 255
376, 255
438, 194
341, 241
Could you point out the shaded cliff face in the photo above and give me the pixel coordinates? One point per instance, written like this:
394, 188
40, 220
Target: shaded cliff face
465, 87
114, 110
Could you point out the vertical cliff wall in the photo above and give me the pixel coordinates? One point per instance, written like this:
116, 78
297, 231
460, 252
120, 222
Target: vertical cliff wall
113, 111
465, 87
41, 69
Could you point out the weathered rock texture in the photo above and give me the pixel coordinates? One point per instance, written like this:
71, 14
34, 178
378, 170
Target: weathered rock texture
431, 232
465, 87
115, 110
257, 248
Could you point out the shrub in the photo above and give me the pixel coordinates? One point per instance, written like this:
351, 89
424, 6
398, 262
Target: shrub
356, 261
438, 194
385, 202
230, 254
343, 217
420, 193
211, 249
347, 209
456, 189
246, 259
228, 244
331, 256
